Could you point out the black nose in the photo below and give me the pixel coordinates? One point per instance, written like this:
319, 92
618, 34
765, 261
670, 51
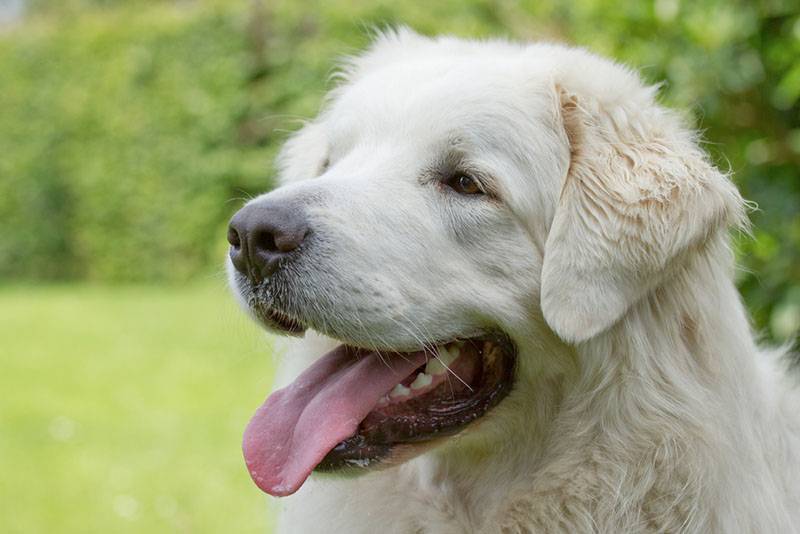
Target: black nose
262, 234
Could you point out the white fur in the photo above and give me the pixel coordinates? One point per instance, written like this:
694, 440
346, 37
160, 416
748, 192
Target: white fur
642, 403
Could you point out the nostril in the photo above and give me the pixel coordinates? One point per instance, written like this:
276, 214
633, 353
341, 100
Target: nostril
233, 237
265, 242
236, 252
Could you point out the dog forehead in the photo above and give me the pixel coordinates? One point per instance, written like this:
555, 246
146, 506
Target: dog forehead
428, 98
499, 111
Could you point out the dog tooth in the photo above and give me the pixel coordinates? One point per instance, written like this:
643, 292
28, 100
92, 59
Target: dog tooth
442, 361
452, 353
421, 381
399, 391
434, 367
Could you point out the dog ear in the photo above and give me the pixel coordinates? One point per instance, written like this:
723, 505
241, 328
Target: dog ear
638, 195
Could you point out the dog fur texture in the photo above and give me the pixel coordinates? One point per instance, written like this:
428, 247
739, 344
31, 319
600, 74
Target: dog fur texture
641, 402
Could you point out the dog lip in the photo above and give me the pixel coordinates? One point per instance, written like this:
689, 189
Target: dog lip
278, 321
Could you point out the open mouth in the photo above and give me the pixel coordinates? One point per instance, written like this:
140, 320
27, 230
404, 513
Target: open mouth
359, 408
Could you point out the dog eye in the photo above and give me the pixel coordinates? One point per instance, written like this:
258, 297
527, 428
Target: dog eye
464, 184
324, 166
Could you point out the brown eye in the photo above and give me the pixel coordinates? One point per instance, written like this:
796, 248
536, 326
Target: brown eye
465, 185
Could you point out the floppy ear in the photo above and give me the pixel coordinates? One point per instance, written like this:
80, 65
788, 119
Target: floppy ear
639, 195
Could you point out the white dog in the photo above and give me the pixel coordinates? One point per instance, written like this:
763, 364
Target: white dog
517, 266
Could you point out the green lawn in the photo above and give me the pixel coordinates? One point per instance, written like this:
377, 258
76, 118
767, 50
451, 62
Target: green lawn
122, 409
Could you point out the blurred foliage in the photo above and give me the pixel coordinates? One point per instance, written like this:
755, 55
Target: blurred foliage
128, 126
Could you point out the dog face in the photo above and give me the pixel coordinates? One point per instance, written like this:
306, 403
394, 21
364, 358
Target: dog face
451, 197
424, 206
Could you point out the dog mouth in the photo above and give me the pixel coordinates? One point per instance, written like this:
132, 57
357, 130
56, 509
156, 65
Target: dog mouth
276, 320
358, 409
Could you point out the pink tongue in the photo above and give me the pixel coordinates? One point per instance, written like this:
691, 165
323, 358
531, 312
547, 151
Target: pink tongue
298, 425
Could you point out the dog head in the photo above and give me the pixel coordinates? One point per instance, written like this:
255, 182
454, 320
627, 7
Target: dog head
456, 201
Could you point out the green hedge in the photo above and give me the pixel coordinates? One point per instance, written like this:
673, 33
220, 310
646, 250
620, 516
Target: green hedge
120, 143
129, 130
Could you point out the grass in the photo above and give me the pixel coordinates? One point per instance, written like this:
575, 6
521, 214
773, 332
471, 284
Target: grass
123, 409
